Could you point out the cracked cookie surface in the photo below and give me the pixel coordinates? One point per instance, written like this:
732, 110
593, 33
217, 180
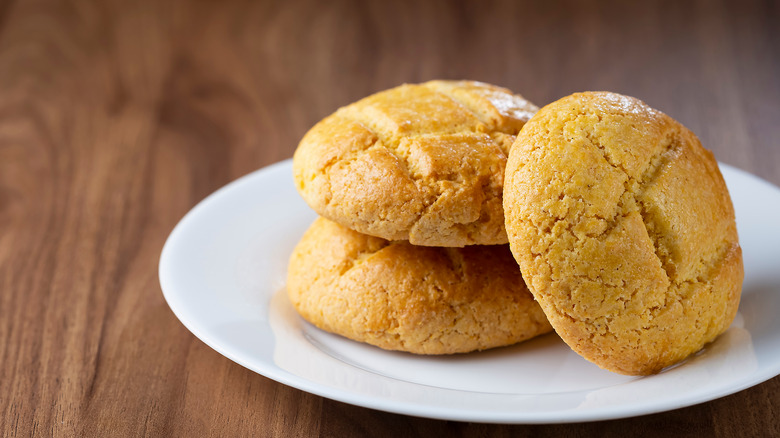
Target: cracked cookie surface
398, 296
419, 162
624, 231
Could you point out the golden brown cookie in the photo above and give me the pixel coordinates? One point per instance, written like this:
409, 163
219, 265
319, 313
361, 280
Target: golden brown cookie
423, 163
624, 231
418, 299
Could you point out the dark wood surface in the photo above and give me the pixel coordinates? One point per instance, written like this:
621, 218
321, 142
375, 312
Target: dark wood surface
117, 117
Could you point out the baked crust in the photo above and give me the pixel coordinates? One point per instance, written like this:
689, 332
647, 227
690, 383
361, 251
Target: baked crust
423, 163
398, 296
624, 230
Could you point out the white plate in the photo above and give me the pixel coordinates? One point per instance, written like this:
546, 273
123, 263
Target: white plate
223, 271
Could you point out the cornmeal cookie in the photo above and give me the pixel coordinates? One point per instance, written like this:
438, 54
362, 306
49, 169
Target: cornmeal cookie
418, 299
624, 231
423, 163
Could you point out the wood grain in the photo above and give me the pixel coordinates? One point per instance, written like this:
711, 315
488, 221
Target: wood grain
117, 117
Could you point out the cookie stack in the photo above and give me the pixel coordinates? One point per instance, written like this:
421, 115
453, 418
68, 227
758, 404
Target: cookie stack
619, 219
410, 250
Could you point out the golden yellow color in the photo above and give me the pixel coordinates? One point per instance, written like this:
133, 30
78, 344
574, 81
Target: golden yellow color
624, 231
423, 163
418, 299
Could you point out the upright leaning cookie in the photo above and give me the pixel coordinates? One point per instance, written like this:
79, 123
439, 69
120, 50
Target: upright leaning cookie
624, 231
423, 163
403, 297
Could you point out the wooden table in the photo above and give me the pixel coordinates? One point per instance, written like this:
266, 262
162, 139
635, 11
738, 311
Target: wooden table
117, 117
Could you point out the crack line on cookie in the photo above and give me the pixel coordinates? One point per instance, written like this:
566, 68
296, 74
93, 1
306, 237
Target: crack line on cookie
362, 256
477, 113
657, 164
707, 267
428, 193
483, 112
391, 146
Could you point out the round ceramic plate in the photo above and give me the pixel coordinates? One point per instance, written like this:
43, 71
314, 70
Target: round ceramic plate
223, 272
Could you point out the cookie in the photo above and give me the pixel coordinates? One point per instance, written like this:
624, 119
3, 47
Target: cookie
624, 231
423, 163
418, 299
